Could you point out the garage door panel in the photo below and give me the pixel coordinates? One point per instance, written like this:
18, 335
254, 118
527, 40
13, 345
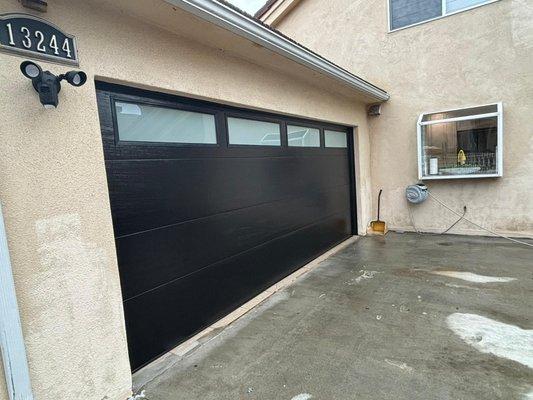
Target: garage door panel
147, 151
201, 228
174, 312
155, 193
154, 257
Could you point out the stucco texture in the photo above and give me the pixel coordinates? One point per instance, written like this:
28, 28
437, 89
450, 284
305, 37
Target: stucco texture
53, 186
480, 56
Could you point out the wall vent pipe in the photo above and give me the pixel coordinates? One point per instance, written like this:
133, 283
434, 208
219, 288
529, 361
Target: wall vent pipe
11, 339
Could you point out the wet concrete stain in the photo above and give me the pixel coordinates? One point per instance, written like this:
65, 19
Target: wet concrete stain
302, 396
494, 337
471, 277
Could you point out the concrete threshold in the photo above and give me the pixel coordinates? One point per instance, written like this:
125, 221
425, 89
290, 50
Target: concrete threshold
167, 360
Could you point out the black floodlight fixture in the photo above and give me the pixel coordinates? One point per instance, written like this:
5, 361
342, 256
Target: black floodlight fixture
47, 84
31, 70
75, 78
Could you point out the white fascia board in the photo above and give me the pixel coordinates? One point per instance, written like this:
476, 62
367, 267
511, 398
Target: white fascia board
238, 23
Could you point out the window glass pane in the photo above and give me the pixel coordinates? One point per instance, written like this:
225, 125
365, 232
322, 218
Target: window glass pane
259, 133
460, 148
461, 113
456, 5
408, 12
300, 136
142, 123
335, 139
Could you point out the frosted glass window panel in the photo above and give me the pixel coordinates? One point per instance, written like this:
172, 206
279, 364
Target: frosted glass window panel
255, 133
143, 123
457, 5
335, 139
409, 12
301, 136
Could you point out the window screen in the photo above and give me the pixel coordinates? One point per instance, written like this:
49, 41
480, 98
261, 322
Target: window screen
408, 12
143, 123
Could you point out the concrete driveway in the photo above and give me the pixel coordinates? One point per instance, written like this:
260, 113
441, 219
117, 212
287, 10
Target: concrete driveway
404, 316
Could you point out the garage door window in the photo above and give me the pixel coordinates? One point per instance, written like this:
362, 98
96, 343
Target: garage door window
335, 139
255, 133
144, 123
301, 136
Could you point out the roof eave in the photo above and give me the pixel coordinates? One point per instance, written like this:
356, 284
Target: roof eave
242, 25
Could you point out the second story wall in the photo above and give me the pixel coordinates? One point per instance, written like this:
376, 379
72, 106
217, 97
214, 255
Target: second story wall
479, 56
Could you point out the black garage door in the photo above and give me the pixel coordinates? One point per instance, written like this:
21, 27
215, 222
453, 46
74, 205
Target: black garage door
213, 204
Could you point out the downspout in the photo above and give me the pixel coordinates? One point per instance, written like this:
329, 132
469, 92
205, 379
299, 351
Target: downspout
11, 339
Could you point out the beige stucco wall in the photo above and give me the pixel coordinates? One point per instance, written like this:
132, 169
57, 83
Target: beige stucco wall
54, 192
476, 57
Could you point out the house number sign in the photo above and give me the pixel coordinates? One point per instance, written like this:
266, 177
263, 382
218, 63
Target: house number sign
30, 36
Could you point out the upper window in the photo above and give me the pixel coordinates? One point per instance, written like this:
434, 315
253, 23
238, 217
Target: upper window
411, 12
251, 132
143, 123
301, 136
335, 139
463, 143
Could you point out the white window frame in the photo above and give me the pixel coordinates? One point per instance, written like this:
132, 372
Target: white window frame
499, 150
444, 14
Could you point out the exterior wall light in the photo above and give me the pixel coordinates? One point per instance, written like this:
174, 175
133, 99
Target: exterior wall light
47, 84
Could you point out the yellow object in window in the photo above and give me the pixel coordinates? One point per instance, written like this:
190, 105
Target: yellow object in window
461, 157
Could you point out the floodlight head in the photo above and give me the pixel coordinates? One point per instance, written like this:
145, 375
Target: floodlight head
75, 78
30, 70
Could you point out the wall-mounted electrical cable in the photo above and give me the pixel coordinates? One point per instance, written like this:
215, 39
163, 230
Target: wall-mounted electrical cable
418, 193
477, 225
